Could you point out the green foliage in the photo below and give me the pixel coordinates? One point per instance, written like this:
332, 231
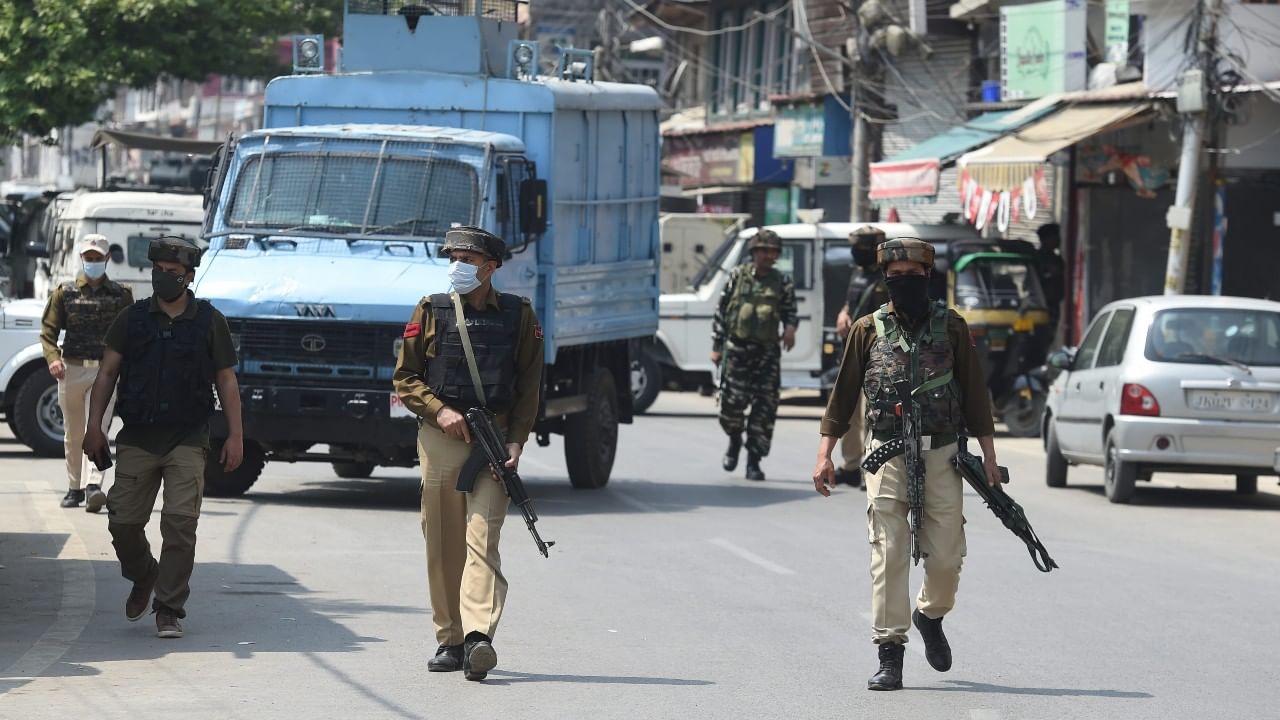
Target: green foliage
60, 59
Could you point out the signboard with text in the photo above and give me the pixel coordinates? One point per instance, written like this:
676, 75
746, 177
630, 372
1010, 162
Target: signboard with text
1042, 48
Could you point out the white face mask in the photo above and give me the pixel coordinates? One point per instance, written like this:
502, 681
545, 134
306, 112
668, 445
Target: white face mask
94, 270
463, 277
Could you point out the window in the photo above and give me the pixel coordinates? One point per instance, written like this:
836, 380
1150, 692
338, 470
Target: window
1205, 336
1117, 337
749, 65
794, 261
1089, 348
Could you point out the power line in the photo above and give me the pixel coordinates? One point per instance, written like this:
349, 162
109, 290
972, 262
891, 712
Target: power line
698, 31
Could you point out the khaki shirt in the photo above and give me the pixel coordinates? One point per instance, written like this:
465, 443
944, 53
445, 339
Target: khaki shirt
419, 348
54, 320
969, 377
161, 439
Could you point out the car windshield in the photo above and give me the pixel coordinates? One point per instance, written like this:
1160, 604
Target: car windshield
417, 194
1215, 336
998, 284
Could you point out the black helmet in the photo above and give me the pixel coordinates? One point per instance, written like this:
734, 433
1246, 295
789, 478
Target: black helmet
475, 239
172, 248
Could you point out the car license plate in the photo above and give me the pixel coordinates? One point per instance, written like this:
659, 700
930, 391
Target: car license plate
1230, 401
398, 410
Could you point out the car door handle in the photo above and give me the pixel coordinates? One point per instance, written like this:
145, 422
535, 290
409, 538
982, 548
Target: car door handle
1101, 385
801, 298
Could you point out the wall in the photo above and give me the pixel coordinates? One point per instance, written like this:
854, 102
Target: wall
1251, 31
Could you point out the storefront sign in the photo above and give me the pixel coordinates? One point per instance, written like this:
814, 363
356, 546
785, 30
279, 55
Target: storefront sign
777, 206
711, 159
823, 172
799, 131
1042, 48
1116, 34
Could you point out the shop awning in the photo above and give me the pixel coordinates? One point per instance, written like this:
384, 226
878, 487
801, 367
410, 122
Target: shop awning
915, 171
1009, 161
145, 141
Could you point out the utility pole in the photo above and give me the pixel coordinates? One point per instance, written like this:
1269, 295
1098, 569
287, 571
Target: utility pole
1195, 123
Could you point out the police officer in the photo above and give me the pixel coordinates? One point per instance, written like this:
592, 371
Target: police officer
914, 339
866, 293
434, 379
756, 301
167, 352
84, 308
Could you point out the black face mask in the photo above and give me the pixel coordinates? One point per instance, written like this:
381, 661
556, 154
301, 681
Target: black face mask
166, 285
864, 258
910, 295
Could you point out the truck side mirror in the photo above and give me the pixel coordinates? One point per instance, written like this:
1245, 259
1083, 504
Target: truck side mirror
533, 206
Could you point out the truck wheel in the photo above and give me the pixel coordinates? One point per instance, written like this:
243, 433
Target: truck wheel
1120, 477
1055, 466
646, 381
591, 437
37, 415
353, 470
220, 483
1246, 484
13, 427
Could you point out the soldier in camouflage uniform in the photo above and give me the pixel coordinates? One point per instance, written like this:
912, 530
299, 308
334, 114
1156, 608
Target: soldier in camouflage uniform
745, 334
927, 344
83, 308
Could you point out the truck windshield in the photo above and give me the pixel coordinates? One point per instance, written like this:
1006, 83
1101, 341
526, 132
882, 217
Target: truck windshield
998, 284
356, 193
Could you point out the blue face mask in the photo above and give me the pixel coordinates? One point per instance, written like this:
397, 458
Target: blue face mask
94, 270
463, 277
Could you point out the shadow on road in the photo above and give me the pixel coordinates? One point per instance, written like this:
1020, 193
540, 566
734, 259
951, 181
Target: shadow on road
712, 414
510, 677
968, 686
1200, 498
395, 493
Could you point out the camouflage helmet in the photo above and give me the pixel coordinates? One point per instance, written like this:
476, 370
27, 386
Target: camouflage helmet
905, 248
765, 239
172, 248
475, 239
866, 238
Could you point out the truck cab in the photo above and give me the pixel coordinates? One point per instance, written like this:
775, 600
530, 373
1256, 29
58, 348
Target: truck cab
325, 229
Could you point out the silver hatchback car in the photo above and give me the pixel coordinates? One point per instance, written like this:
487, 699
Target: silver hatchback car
1184, 383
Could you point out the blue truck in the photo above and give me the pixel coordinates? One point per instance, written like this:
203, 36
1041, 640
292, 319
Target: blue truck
324, 231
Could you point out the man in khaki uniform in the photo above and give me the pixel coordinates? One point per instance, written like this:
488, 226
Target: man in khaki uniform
434, 379
167, 352
84, 309
926, 344
866, 294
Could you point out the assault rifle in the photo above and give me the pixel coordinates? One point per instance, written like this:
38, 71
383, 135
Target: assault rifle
908, 445
488, 448
1009, 512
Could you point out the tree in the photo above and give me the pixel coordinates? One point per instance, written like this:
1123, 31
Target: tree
61, 59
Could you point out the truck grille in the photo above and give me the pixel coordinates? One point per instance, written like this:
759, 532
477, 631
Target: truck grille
326, 353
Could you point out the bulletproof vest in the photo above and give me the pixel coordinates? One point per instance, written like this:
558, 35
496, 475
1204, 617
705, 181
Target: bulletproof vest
867, 292
89, 313
753, 309
494, 334
167, 374
926, 360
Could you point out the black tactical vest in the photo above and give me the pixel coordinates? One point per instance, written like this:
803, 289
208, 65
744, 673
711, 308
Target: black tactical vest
167, 373
89, 313
494, 334
926, 360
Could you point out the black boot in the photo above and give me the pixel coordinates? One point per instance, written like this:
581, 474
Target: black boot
936, 648
753, 468
478, 656
889, 676
73, 498
448, 659
731, 455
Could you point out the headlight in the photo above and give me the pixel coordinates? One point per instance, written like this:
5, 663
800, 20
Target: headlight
309, 49
524, 55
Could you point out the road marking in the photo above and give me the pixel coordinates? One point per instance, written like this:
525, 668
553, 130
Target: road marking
78, 595
751, 557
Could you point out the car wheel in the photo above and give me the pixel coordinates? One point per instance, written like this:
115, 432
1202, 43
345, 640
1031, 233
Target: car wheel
38, 416
1246, 484
1120, 476
1055, 466
646, 381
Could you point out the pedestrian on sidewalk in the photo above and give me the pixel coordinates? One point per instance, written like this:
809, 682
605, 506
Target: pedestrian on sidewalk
84, 309
439, 376
867, 292
756, 302
927, 345
167, 352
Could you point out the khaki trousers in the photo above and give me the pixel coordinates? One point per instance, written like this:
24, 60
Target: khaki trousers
139, 477
941, 539
73, 398
852, 443
464, 569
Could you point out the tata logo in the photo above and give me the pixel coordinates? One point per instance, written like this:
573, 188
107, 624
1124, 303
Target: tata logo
314, 311
312, 343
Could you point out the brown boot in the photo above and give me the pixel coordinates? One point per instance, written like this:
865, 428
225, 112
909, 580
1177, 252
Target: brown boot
140, 596
167, 625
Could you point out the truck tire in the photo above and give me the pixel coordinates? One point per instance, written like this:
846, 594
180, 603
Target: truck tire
1055, 466
1119, 477
591, 437
220, 483
13, 427
37, 417
353, 470
646, 381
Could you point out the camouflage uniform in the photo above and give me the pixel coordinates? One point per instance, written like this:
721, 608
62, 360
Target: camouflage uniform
746, 329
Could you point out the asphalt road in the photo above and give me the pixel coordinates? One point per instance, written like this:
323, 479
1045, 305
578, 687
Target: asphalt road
677, 592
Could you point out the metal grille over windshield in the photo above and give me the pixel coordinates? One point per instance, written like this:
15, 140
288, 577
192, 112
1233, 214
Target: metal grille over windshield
417, 189
494, 9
